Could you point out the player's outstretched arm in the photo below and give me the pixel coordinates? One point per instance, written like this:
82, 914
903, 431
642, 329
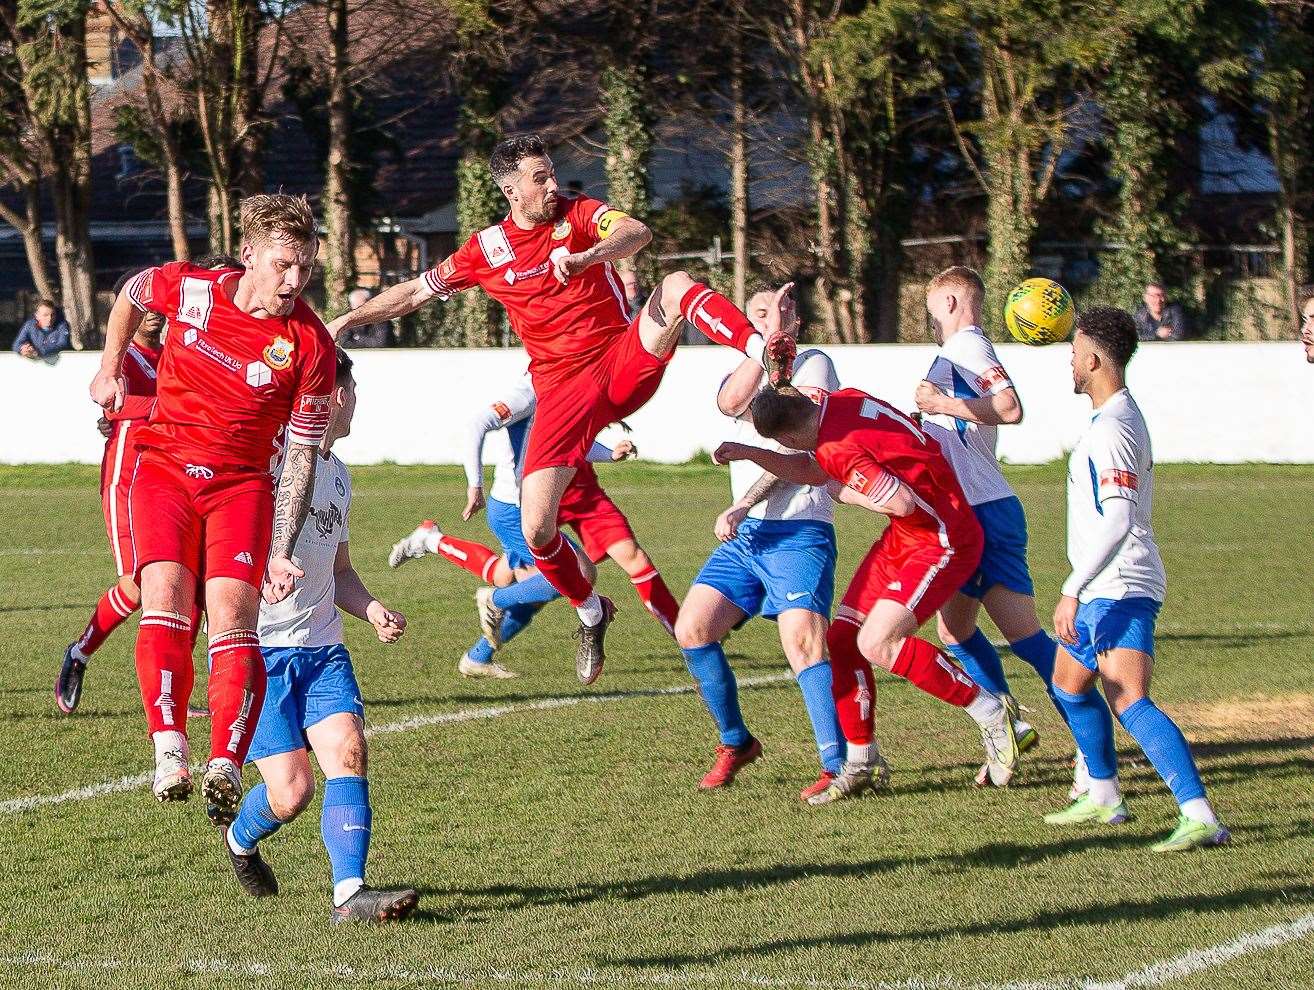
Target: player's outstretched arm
799, 468
897, 504
740, 388
108, 388
1001, 409
351, 595
291, 502
727, 523
626, 239
394, 301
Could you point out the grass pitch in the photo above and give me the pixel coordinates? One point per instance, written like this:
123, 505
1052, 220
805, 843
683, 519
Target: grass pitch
560, 842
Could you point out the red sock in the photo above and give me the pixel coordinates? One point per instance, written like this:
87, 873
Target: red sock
923, 665
164, 670
237, 690
853, 685
657, 598
557, 562
720, 320
111, 612
476, 558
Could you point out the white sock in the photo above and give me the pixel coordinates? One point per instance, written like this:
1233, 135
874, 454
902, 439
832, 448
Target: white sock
232, 844
1105, 793
1200, 810
431, 539
344, 889
590, 613
755, 346
985, 707
863, 754
78, 654
167, 740
1080, 775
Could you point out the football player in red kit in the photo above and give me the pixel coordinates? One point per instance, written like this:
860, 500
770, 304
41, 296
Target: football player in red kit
118, 467
873, 456
244, 359
550, 264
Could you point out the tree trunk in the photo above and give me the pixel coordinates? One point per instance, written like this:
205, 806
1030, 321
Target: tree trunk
339, 232
1292, 235
629, 149
28, 225
738, 173
478, 205
1010, 218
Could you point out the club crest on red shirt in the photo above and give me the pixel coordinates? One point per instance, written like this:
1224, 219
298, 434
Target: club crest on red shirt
278, 355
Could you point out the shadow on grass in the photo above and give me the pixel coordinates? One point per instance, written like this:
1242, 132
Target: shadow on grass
82, 606
1112, 913
1232, 639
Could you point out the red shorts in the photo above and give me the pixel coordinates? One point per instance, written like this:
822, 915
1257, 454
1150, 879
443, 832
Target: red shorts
573, 411
918, 572
117, 470
591, 513
216, 524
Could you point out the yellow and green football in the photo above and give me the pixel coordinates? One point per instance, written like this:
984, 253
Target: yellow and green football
1039, 311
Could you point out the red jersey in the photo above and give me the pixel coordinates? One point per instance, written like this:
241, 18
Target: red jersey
229, 383
564, 327
862, 442
139, 375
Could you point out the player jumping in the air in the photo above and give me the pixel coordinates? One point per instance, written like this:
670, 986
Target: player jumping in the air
118, 467
313, 701
777, 560
519, 591
966, 397
244, 360
550, 264
869, 454
1105, 617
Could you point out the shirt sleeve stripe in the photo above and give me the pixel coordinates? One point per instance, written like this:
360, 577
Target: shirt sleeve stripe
135, 286
435, 282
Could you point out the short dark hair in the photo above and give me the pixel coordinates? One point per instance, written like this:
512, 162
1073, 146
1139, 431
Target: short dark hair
1112, 331
213, 261
508, 154
1154, 284
127, 277
48, 303
776, 410
344, 367
1303, 295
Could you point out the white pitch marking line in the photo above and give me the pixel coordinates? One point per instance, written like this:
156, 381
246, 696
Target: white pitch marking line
132, 783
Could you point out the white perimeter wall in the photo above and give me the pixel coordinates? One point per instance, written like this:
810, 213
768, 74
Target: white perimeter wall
1209, 402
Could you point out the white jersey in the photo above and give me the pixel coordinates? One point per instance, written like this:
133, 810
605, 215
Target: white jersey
1113, 460
967, 368
308, 616
814, 376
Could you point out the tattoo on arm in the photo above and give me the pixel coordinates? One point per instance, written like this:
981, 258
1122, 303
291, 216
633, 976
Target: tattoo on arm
760, 489
292, 500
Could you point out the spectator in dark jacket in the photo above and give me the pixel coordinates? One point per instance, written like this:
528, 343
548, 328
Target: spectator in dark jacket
1158, 319
46, 333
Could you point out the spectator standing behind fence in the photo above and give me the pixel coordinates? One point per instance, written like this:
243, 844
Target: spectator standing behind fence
369, 335
1158, 319
46, 333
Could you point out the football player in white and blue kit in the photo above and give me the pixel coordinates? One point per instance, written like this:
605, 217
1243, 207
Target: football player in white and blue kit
1105, 617
313, 702
966, 397
777, 560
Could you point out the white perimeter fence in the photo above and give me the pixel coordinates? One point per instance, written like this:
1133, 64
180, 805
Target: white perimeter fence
1205, 402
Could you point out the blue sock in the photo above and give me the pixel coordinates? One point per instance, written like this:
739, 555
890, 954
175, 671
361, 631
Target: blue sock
1091, 723
978, 656
814, 682
344, 825
716, 683
255, 819
1038, 650
481, 652
1166, 748
531, 591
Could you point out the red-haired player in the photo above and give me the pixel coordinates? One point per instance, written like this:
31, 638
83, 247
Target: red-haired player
550, 264
873, 456
244, 360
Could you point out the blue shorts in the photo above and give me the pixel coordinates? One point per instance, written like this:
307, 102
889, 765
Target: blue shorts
307, 684
1113, 623
1004, 557
504, 521
775, 565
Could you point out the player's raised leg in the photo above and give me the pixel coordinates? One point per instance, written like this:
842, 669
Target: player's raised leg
705, 619
647, 581
113, 609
